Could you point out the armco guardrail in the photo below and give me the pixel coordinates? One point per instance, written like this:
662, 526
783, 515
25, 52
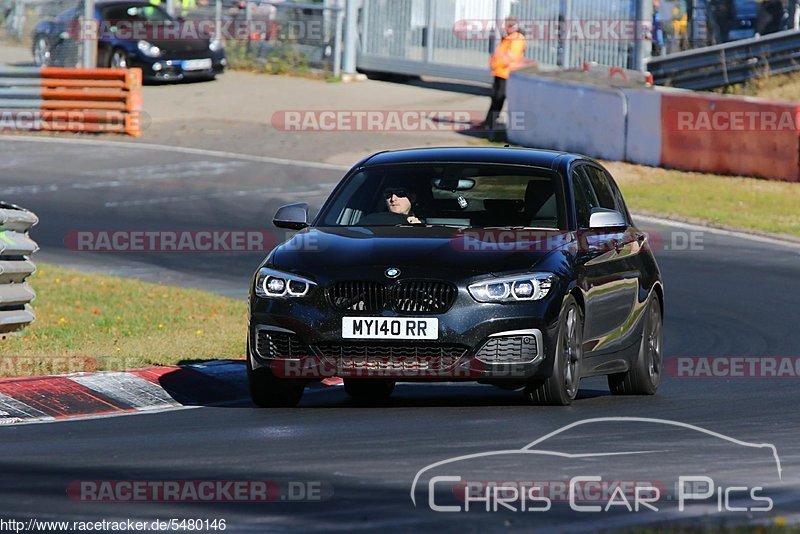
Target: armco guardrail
729, 63
73, 100
16, 248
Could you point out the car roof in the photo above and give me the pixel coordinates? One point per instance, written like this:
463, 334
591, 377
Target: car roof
122, 2
502, 155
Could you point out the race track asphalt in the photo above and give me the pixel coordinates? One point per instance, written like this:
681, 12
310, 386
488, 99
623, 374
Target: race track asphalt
729, 297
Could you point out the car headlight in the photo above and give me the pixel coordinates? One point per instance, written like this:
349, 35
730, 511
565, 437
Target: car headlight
275, 284
215, 45
148, 49
533, 286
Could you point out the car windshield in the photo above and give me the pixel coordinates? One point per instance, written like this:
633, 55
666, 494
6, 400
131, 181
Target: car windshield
447, 194
136, 12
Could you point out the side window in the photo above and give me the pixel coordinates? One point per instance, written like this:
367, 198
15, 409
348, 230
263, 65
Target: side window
585, 199
618, 197
602, 187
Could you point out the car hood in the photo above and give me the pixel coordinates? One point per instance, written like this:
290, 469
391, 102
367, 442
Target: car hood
173, 37
416, 251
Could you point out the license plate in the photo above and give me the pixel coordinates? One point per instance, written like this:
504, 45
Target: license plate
390, 328
197, 64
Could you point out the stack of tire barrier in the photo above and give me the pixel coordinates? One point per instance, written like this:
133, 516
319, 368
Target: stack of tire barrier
672, 128
16, 248
72, 100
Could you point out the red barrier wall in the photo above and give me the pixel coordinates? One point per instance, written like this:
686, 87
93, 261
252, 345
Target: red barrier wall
730, 135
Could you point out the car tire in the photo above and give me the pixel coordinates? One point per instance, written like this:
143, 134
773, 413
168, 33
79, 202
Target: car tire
118, 59
644, 376
42, 53
561, 388
268, 391
368, 389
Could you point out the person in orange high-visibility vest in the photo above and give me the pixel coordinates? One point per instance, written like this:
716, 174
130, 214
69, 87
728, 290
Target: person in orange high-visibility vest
508, 55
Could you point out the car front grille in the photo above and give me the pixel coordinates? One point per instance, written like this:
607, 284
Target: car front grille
358, 296
407, 296
511, 349
270, 345
391, 357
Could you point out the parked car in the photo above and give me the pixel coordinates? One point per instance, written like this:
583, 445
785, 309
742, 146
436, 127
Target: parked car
133, 34
730, 20
513, 267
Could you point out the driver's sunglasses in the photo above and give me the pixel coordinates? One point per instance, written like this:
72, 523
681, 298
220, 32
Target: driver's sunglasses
399, 193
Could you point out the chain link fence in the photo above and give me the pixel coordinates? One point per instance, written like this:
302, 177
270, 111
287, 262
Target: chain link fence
280, 37
267, 36
60, 45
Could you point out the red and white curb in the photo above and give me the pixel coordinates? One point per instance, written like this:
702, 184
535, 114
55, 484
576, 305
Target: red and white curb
53, 398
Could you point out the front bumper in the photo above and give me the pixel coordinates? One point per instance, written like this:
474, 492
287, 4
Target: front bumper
170, 69
510, 343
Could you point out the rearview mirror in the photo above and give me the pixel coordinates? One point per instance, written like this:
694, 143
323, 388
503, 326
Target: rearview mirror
292, 216
606, 219
453, 184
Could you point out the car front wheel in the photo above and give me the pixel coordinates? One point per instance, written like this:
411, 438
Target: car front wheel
118, 59
561, 388
268, 391
41, 51
644, 376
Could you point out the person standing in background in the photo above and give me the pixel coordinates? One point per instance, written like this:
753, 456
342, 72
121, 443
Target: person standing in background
507, 56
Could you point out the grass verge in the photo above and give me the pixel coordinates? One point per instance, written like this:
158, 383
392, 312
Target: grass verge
747, 203
100, 322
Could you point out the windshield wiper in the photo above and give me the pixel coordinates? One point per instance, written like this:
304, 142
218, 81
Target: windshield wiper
518, 228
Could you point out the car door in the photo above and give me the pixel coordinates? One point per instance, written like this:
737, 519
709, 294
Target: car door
604, 273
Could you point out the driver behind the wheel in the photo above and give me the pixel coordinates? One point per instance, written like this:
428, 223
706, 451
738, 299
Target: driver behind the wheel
399, 200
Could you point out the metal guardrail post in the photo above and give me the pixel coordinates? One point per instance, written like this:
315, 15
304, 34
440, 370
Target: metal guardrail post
644, 19
564, 43
218, 19
88, 36
429, 28
350, 36
337, 42
171, 7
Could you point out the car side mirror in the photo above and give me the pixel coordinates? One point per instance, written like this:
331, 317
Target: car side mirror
606, 219
292, 216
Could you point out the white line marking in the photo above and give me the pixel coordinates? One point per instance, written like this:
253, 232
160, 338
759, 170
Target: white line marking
720, 231
317, 189
183, 150
126, 175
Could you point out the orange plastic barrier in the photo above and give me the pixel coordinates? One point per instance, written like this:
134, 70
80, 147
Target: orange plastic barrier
730, 135
78, 100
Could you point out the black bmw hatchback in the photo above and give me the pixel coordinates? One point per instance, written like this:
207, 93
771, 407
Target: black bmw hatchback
512, 267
